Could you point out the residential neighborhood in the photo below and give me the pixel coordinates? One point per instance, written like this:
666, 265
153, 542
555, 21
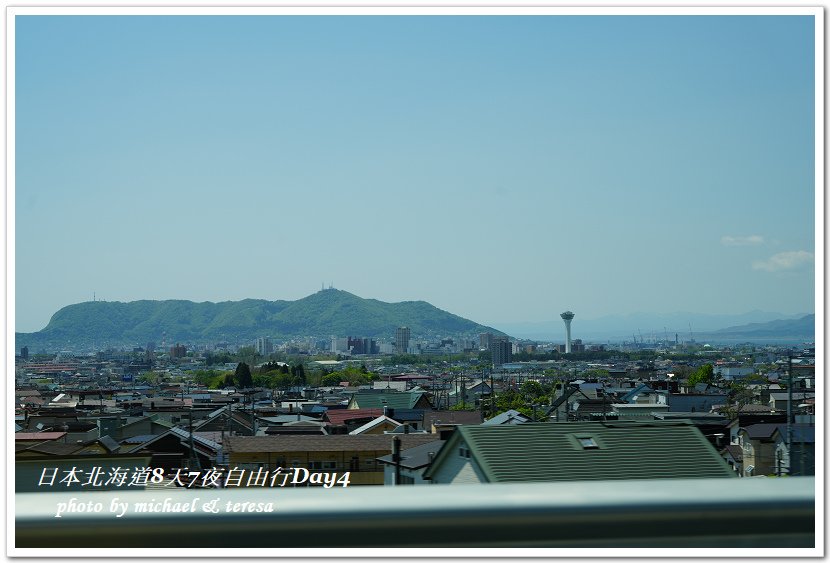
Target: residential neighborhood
726, 413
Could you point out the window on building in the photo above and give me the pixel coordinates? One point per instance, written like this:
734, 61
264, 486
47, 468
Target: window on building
321, 465
588, 443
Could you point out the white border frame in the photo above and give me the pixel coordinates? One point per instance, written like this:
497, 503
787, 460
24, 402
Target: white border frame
461, 8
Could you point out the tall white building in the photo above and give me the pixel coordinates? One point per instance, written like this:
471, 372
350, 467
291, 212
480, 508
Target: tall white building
264, 346
402, 340
501, 351
567, 316
388, 348
339, 345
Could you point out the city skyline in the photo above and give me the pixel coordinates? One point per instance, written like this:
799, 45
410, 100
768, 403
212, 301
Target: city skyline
492, 167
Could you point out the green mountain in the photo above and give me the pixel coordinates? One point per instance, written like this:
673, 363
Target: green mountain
323, 314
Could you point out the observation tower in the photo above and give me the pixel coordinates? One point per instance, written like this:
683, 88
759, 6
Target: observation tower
567, 316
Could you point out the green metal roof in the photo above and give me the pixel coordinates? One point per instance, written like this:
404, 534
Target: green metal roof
553, 451
397, 400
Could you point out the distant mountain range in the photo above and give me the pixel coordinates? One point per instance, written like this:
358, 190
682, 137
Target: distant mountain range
803, 328
322, 314
760, 326
330, 312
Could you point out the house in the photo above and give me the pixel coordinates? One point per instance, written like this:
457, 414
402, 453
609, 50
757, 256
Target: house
507, 417
695, 402
405, 429
225, 419
803, 449
599, 408
564, 396
77, 430
413, 463
759, 452
172, 449
576, 451
379, 425
444, 423
734, 456
389, 384
343, 421
305, 427
747, 417
414, 418
713, 426
281, 419
120, 427
356, 454
472, 391
395, 400
733, 371
778, 401
36, 453
637, 411
765, 449
642, 394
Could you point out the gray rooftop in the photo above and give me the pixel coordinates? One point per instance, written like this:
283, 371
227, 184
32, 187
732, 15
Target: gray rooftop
417, 457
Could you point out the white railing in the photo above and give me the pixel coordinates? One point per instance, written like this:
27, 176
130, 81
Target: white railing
698, 513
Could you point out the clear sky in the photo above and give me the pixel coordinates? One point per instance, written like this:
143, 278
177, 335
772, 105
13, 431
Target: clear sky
502, 168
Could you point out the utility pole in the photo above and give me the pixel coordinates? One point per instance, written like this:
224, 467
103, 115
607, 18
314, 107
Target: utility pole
604, 402
463, 391
194, 459
790, 411
492, 396
253, 415
396, 458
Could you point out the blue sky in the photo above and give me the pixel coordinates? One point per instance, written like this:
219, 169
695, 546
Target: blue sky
502, 168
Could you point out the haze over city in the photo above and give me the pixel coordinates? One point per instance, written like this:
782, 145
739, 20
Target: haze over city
275, 276
504, 169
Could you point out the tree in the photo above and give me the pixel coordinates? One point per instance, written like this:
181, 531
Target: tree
703, 374
247, 354
532, 390
213, 358
283, 381
512, 400
243, 376
738, 397
682, 372
353, 375
595, 374
298, 374
212, 378
150, 378
263, 380
228, 380
331, 379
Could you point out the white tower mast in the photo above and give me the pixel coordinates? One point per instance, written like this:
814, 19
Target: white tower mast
567, 316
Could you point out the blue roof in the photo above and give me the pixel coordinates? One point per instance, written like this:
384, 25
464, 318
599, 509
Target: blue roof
629, 397
405, 415
508, 417
139, 439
